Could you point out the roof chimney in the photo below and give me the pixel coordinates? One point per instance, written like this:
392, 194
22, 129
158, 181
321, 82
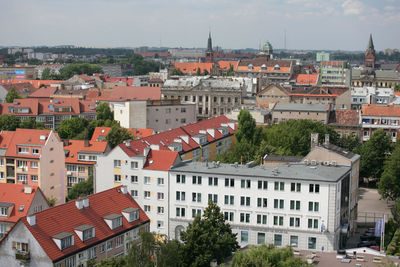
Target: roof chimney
326, 139
31, 219
85, 143
124, 189
79, 204
85, 202
28, 189
314, 140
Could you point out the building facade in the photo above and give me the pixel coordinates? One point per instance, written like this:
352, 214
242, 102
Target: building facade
335, 72
293, 111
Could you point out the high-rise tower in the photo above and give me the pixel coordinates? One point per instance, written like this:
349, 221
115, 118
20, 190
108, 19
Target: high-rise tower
209, 51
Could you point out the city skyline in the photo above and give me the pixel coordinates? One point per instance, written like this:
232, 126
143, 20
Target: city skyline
309, 25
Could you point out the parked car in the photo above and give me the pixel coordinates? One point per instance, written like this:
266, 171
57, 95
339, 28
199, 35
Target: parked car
366, 243
375, 247
367, 237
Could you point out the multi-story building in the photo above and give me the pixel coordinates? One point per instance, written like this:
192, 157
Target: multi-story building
51, 112
144, 172
97, 227
303, 205
17, 201
100, 133
80, 157
335, 72
375, 117
160, 115
34, 158
346, 122
375, 78
294, 111
371, 95
17, 73
213, 96
112, 70
54, 69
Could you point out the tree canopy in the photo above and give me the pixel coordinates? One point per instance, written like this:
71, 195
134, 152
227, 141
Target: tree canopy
389, 183
11, 95
104, 112
80, 189
117, 135
79, 68
72, 127
9, 122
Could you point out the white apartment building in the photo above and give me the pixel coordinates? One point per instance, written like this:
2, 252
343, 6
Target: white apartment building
304, 204
145, 174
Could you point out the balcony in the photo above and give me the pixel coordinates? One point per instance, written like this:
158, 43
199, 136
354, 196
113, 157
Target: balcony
24, 256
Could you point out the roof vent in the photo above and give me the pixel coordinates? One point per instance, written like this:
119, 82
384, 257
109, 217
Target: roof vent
21, 208
31, 219
124, 189
85, 202
43, 138
79, 203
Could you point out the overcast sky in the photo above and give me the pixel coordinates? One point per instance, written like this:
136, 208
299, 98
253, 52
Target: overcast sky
309, 24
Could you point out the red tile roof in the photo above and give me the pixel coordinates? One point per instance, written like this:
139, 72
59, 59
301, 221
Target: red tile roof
346, 118
385, 111
35, 83
125, 93
66, 217
100, 133
14, 194
306, 79
161, 160
191, 67
44, 92
75, 146
226, 64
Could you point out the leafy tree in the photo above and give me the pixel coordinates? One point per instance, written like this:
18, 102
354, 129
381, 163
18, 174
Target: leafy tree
31, 123
9, 122
206, 72
83, 188
79, 68
247, 129
198, 72
396, 211
267, 256
170, 254
143, 255
177, 72
389, 183
350, 143
112, 262
208, 238
104, 112
117, 135
394, 245
46, 74
230, 71
373, 154
52, 201
11, 95
72, 127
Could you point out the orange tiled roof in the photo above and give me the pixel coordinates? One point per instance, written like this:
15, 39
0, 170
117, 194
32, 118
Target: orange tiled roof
66, 217
76, 146
191, 67
160, 160
14, 194
385, 111
226, 64
125, 93
35, 83
100, 133
346, 117
44, 92
307, 79
267, 69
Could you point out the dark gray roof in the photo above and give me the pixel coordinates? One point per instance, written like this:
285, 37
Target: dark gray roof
293, 171
61, 235
112, 216
130, 209
83, 227
283, 158
341, 151
301, 107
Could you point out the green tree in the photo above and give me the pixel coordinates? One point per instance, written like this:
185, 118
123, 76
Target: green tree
267, 256
9, 122
205, 72
112, 262
198, 72
143, 255
208, 238
230, 71
46, 74
117, 135
247, 129
80, 189
177, 72
396, 211
31, 123
373, 154
389, 183
104, 112
72, 127
52, 201
79, 68
350, 143
11, 95
170, 254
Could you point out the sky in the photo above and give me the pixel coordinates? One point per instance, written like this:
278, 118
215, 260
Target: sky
234, 24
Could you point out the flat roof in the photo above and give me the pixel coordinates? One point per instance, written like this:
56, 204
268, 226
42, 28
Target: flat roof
298, 171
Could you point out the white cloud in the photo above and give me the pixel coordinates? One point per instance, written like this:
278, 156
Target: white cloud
352, 7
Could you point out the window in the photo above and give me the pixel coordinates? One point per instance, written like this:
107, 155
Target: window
160, 224
213, 181
245, 183
312, 243
262, 185
196, 212
279, 186
213, 198
34, 164
314, 188
147, 194
109, 245
229, 200
134, 193
180, 195
313, 206
294, 240
229, 182
196, 179
23, 150
117, 222
244, 236
3, 211
294, 222
229, 216
183, 110
117, 178
22, 178
134, 179
196, 197
147, 180
245, 217
261, 219
87, 234
278, 220
313, 223
117, 163
22, 163
134, 165
70, 262
1, 162
102, 248
147, 208
295, 187
277, 240
160, 210
67, 242
160, 181
35, 151
92, 158
180, 212
81, 169
33, 178
245, 201
92, 253
180, 179
160, 196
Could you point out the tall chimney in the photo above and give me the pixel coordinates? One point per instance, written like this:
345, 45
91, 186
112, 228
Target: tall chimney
314, 140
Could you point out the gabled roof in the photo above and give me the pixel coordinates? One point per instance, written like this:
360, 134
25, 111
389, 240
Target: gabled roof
272, 85
44, 92
32, 104
191, 67
346, 118
375, 110
226, 64
14, 194
161, 160
76, 146
306, 78
23, 89
66, 217
100, 133
125, 93
35, 83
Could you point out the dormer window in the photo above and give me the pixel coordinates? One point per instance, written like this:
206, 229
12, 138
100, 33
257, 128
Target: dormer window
3, 211
63, 240
23, 150
131, 214
85, 232
250, 67
113, 220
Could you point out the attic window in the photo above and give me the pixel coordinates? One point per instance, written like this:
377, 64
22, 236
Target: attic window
63, 240
21, 208
85, 232
113, 220
131, 214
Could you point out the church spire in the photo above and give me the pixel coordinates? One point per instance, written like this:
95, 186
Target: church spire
209, 43
370, 43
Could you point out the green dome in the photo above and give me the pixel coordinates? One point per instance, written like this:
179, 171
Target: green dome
267, 47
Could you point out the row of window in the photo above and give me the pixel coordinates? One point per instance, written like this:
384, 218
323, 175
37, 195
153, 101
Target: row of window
293, 239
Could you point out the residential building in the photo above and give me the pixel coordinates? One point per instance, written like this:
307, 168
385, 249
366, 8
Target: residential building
213, 96
144, 172
97, 227
302, 205
17, 201
295, 111
112, 70
375, 78
80, 158
375, 117
160, 115
322, 56
53, 68
17, 73
100, 133
371, 95
23, 89
326, 153
191, 68
51, 112
34, 158
335, 73
346, 122
306, 79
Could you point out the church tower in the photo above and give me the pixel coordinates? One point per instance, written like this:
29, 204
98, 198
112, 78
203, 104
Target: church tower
209, 51
370, 54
